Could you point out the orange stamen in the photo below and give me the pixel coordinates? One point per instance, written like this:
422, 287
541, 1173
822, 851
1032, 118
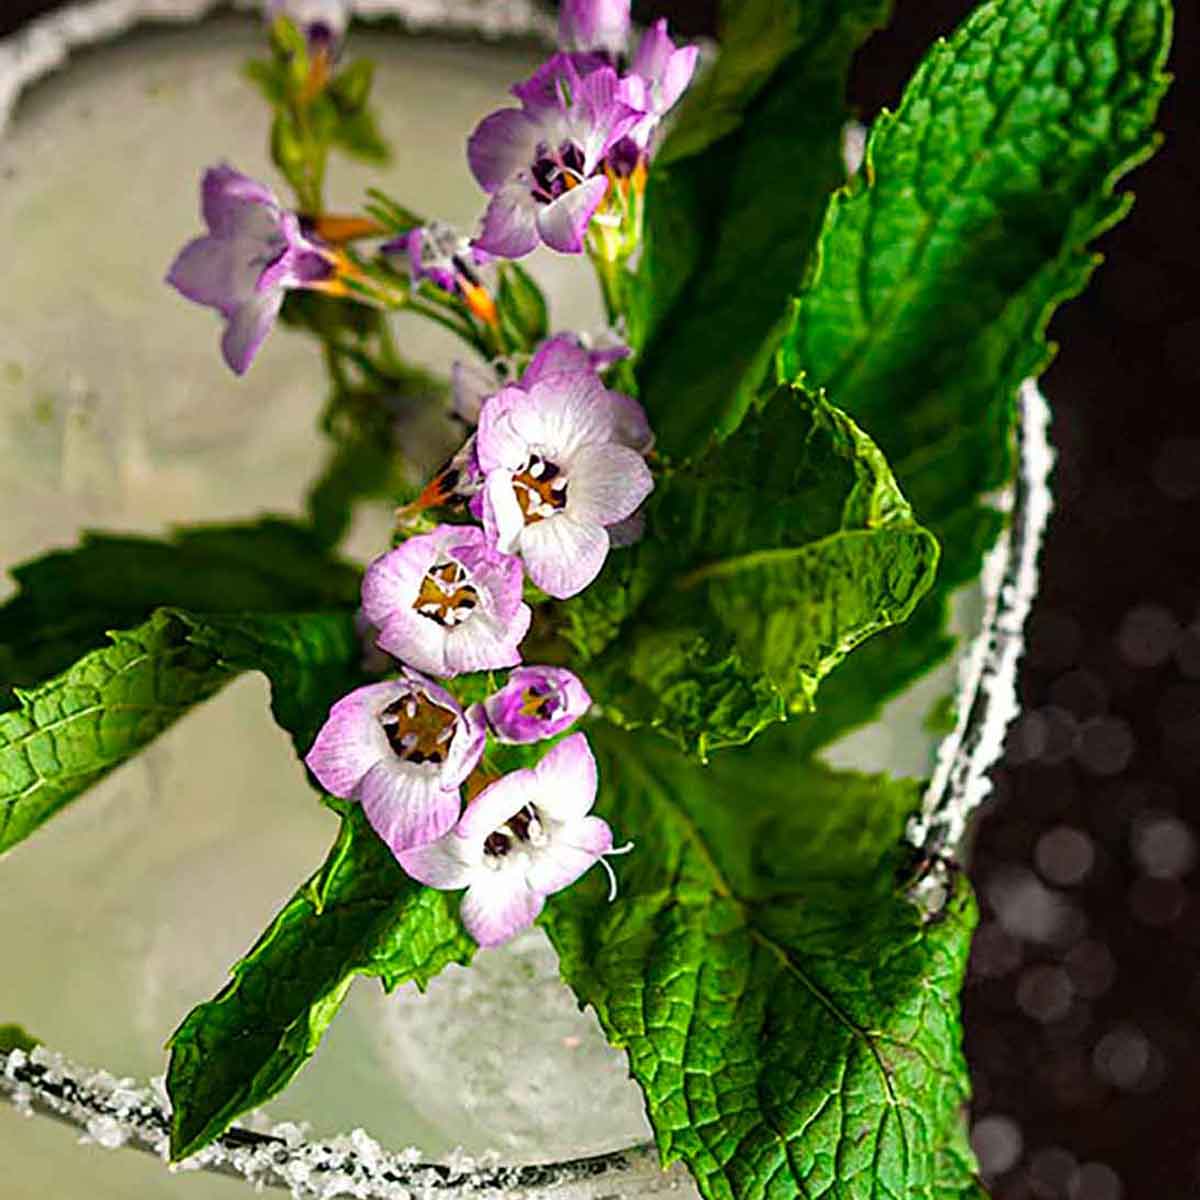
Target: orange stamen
438, 491
337, 230
479, 301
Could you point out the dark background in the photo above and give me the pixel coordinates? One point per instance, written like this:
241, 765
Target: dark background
1083, 1002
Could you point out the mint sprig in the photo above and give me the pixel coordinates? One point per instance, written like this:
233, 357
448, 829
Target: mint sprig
944, 261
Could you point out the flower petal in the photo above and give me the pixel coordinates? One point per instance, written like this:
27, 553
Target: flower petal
493, 806
563, 555
594, 25
561, 354
503, 520
547, 94
607, 483
351, 741
201, 273
565, 781
483, 643
471, 384
573, 850
629, 531
498, 904
509, 227
560, 413
501, 145
496, 576
415, 639
631, 425
439, 864
680, 68
406, 804
393, 580
248, 329
653, 52
234, 204
466, 746
564, 222
499, 443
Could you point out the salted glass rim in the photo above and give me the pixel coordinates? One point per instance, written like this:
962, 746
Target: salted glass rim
116, 1111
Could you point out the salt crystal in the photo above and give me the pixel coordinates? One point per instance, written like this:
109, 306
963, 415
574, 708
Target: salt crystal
106, 1132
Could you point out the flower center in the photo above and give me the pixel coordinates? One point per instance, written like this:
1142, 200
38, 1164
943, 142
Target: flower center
524, 827
446, 595
541, 489
543, 703
418, 730
556, 172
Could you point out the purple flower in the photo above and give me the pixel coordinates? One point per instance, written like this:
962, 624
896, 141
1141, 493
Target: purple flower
660, 75
323, 22
539, 162
447, 602
594, 25
536, 703
439, 253
523, 838
252, 254
402, 749
556, 476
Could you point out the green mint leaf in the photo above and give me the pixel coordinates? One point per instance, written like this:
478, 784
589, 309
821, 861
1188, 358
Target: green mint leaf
270, 77
351, 88
764, 565
730, 231
75, 728
60, 737
311, 660
359, 915
69, 599
13, 1037
522, 306
357, 134
791, 1019
942, 263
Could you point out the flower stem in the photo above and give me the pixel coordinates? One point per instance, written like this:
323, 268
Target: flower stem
611, 273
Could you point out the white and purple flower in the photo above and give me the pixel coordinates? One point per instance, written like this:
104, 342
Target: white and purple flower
521, 839
253, 253
557, 475
540, 162
437, 252
594, 26
402, 750
447, 602
660, 74
536, 703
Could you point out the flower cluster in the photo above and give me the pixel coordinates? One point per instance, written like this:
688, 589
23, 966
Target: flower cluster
551, 476
567, 169
555, 467
582, 138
